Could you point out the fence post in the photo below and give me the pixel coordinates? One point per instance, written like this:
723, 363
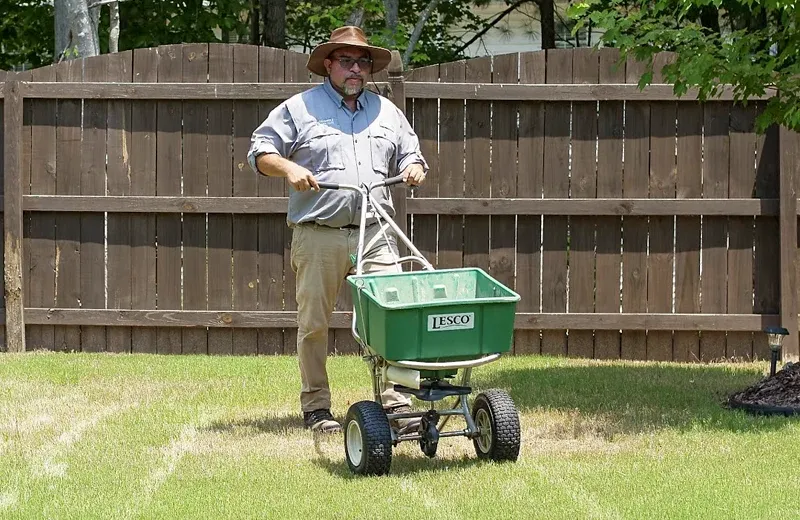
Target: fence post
789, 164
12, 214
397, 93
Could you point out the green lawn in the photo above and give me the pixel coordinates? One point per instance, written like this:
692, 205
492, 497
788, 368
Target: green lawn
122, 436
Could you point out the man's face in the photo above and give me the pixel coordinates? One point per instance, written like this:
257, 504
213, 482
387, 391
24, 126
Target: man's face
348, 69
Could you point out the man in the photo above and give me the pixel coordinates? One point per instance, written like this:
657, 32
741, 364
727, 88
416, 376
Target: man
335, 132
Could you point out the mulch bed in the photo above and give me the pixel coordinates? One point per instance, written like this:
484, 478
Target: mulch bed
777, 394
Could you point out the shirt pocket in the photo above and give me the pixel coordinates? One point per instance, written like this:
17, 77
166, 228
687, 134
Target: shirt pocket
382, 146
325, 148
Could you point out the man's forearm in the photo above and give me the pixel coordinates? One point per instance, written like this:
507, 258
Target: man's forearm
273, 165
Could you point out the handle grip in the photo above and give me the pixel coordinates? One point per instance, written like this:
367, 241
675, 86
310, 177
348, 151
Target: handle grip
393, 180
329, 185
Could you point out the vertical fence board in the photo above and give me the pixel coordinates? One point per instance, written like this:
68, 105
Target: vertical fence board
766, 257
245, 183
609, 184
93, 182
169, 159
714, 232
271, 227
634, 229
194, 340
583, 184
119, 183
661, 257
3, 345
68, 225
529, 185
295, 72
426, 126
686, 344
476, 173
40, 246
25, 181
13, 180
556, 184
220, 184
396, 93
789, 177
451, 167
740, 249
143, 182
504, 173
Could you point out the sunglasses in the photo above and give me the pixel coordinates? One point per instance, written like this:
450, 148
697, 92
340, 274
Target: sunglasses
347, 63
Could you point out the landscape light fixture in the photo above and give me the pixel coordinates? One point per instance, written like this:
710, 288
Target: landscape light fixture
775, 337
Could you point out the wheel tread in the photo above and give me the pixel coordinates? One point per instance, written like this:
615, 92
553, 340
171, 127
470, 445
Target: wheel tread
506, 427
377, 437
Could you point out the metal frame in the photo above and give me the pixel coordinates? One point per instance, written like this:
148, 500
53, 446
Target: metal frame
378, 363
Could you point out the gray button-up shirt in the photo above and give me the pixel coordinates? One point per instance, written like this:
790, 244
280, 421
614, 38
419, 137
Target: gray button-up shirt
316, 130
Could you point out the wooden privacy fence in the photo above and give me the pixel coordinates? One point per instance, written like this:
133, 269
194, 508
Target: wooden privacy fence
632, 223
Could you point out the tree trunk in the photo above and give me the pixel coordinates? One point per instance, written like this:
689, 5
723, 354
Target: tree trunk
255, 22
548, 24
391, 7
61, 28
356, 17
709, 18
113, 35
94, 16
76, 34
275, 24
412, 42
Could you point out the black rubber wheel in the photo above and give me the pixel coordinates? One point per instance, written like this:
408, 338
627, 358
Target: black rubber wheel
367, 439
431, 444
497, 419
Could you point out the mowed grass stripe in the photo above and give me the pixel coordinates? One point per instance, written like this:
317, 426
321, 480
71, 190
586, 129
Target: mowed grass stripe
138, 436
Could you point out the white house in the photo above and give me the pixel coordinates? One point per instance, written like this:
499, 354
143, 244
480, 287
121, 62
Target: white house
521, 30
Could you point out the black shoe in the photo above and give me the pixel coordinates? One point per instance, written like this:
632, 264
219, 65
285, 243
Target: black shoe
321, 421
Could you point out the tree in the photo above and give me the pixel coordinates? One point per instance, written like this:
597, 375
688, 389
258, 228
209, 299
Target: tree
76, 30
755, 50
274, 23
26, 33
149, 23
424, 31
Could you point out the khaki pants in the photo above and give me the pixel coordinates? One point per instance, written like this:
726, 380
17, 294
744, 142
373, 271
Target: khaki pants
320, 258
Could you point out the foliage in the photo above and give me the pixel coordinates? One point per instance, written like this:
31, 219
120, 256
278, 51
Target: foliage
309, 23
26, 33
756, 54
149, 23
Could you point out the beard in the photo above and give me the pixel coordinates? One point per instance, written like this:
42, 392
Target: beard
350, 89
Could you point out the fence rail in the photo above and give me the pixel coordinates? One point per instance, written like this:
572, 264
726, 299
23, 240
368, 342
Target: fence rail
418, 90
421, 206
634, 223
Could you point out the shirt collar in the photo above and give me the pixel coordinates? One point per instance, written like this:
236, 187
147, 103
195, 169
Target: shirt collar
338, 99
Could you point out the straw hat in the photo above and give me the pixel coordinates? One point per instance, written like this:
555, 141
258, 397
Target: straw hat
347, 36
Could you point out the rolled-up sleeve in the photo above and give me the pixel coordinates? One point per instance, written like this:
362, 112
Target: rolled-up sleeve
276, 134
408, 150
